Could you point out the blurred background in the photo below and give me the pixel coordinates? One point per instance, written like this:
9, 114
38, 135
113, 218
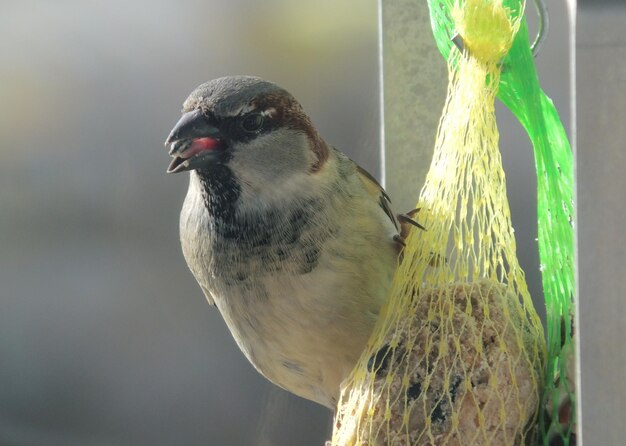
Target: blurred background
105, 338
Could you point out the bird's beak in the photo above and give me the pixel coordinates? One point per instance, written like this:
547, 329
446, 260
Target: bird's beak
193, 142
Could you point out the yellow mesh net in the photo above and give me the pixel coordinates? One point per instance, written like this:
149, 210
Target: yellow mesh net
457, 356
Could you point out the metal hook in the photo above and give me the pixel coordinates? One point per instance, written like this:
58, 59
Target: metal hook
544, 26
542, 31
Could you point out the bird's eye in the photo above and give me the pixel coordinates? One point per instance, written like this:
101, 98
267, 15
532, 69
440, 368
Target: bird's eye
252, 123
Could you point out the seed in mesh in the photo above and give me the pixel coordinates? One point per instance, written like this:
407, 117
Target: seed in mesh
379, 362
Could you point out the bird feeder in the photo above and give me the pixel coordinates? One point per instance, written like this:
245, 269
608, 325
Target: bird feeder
458, 355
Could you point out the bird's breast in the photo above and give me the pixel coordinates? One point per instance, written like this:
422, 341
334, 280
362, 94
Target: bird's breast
299, 288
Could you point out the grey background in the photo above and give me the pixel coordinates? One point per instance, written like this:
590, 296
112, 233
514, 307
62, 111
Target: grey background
601, 158
105, 339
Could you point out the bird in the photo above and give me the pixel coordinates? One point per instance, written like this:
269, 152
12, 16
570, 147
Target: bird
293, 242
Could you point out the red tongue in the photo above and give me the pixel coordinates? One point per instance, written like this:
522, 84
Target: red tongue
200, 145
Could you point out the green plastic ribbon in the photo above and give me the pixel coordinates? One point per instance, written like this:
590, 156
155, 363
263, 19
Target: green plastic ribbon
520, 91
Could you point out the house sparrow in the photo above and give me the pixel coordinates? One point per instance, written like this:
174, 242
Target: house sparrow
293, 242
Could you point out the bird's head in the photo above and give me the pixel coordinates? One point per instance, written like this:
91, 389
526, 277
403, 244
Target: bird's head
250, 125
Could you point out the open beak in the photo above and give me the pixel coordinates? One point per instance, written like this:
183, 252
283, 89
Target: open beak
193, 142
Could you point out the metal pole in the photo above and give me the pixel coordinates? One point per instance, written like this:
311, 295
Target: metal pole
414, 81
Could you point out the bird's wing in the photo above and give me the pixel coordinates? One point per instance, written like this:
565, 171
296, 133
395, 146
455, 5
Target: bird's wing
376, 190
402, 222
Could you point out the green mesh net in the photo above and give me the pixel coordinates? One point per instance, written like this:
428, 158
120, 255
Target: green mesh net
458, 356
